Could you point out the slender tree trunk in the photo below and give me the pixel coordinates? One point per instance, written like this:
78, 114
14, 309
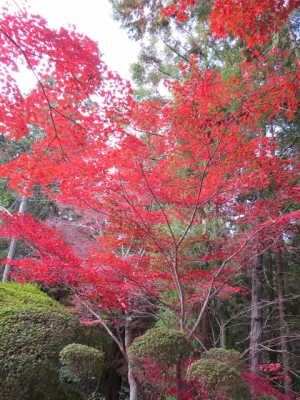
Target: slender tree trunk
13, 246
134, 384
128, 340
256, 314
206, 332
284, 339
180, 383
114, 381
272, 315
223, 330
293, 41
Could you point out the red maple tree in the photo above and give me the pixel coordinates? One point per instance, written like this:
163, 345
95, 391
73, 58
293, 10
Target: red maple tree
157, 173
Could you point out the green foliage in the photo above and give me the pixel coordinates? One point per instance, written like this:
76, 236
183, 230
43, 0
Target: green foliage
218, 380
83, 362
33, 329
164, 346
6, 196
267, 397
229, 357
27, 295
155, 356
80, 357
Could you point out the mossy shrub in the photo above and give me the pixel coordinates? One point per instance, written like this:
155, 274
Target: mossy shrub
160, 345
83, 362
216, 380
13, 294
154, 356
33, 330
230, 357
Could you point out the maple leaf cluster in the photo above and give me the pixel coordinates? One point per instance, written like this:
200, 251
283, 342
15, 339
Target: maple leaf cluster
253, 21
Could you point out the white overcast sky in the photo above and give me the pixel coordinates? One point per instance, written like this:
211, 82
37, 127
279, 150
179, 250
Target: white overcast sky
91, 17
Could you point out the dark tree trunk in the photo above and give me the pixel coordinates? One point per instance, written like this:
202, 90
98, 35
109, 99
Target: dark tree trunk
206, 332
223, 319
114, 381
284, 339
272, 315
256, 314
180, 383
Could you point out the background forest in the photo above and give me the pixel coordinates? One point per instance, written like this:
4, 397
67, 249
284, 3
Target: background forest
150, 234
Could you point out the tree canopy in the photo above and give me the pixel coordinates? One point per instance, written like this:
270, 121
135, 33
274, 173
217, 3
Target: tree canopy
180, 196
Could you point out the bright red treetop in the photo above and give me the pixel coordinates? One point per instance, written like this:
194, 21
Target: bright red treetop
253, 21
70, 77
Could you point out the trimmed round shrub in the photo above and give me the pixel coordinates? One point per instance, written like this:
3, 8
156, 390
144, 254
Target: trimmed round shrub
154, 358
33, 329
230, 357
161, 345
84, 363
216, 380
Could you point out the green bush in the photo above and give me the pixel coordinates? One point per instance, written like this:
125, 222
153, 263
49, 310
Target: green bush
267, 397
84, 365
33, 329
217, 380
230, 357
164, 346
154, 358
